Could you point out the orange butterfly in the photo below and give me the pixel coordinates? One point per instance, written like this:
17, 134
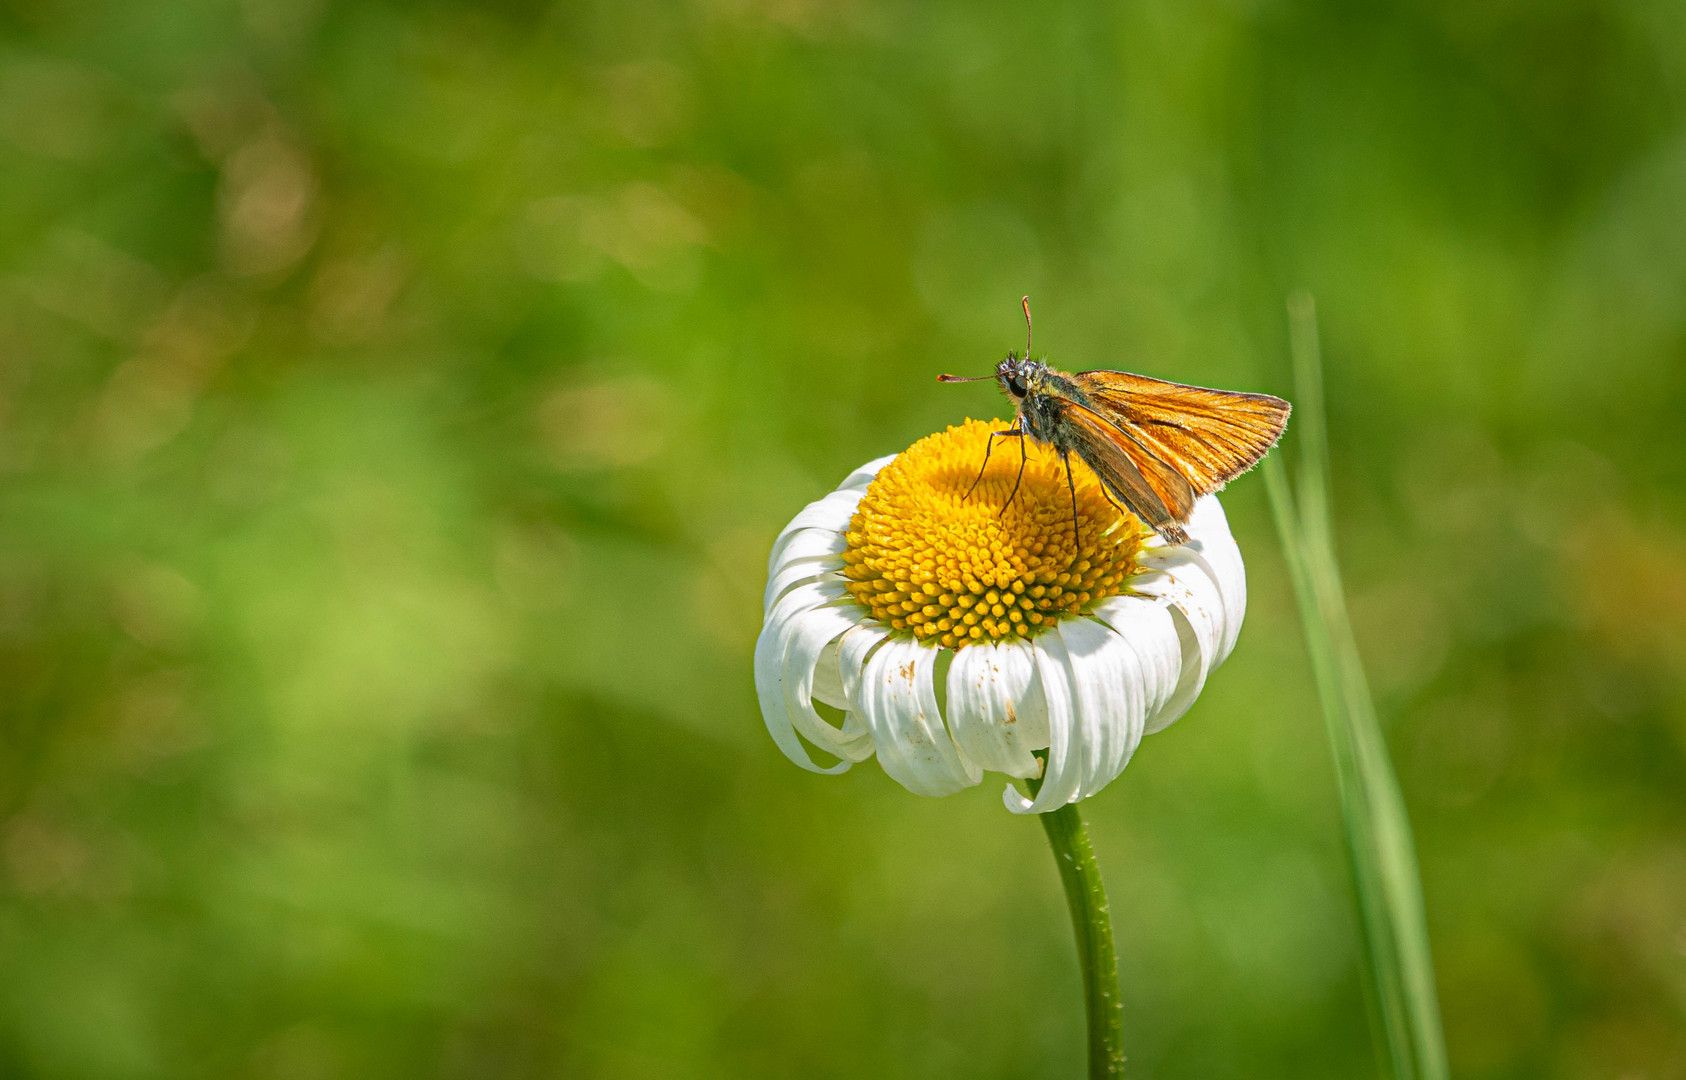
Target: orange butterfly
1156, 446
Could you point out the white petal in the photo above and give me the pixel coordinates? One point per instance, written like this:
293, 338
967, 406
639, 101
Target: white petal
1150, 631
862, 477
792, 573
1205, 585
852, 654
831, 513
1111, 700
1210, 538
1182, 581
898, 701
782, 628
995, 706
1061, 774
805, 544
816, 532
1104, 707
807, 641
828, 681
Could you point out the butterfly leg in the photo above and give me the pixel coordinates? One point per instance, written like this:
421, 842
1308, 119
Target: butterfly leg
988, 446
1114, 502
1071, 485
1024, 456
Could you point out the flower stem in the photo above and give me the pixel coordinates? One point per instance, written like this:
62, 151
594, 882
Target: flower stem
1092, 921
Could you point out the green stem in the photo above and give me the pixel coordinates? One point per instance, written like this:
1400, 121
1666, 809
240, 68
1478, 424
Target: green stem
1092, 921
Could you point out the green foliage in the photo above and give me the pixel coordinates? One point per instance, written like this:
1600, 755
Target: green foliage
398, 400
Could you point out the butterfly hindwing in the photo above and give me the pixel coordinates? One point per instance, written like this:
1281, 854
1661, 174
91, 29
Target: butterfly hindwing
1151, 488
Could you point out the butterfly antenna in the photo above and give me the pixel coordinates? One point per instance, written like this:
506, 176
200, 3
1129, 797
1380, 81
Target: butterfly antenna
964, 378
1024, 302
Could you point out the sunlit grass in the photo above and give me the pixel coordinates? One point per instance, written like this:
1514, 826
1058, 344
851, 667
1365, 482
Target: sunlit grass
1404, 1005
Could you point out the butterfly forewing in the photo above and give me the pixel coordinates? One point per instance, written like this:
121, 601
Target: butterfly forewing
1207, 436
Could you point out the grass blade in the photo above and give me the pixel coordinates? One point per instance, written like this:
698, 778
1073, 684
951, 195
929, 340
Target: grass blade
1403, 1002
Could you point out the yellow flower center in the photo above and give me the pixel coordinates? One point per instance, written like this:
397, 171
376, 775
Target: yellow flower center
952, 568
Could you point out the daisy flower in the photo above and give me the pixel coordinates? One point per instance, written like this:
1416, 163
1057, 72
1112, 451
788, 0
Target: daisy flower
952, 622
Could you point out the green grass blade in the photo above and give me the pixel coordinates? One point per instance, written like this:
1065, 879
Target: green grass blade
1311, 427
1403, 1002
1386, 1009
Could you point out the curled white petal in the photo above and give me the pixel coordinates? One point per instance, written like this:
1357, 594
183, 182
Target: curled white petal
815, 536
995, 707
831, 513
853, 649
807, 640
1190, 584
806, 544
1210, 541
898, 701
828, 680
852, 652
797, 572
782, 629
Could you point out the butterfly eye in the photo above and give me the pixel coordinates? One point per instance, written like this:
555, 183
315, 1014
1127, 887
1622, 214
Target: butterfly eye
1016, 385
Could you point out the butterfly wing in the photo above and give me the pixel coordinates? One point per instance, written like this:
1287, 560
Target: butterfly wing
1152, 489
1207, 436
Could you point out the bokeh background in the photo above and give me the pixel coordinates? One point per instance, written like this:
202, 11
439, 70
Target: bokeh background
398, 400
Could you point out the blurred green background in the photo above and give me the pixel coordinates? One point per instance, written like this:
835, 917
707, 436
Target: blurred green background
397, 402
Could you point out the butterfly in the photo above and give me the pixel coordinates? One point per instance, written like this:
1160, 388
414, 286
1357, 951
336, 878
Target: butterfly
1156, 446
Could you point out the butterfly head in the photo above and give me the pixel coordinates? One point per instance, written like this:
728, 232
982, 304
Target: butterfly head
1019, 375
